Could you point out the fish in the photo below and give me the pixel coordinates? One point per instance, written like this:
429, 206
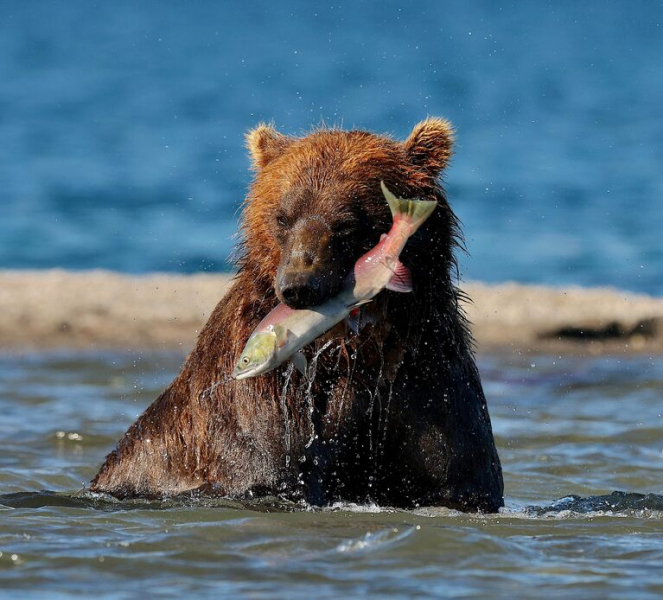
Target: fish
285, 331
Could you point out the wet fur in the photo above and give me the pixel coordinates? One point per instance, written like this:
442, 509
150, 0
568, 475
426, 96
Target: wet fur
395, 415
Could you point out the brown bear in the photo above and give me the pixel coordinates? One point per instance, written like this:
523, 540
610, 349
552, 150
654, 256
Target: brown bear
394, 414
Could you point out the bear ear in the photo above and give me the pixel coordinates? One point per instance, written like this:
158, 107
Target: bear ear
265, 144
430, 145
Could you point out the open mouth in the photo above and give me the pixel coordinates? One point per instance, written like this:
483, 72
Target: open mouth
238, 375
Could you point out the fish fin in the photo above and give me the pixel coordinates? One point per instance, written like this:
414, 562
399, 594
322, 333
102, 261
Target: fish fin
283, 335
358, 319
352, 320
401, 280
414, 211
300, 362
359, 303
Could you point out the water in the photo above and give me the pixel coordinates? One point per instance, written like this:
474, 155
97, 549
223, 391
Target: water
564, 426
121, 130
122, 124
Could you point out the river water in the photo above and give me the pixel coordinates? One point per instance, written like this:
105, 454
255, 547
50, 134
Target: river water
122, 124
570, 432
122, 129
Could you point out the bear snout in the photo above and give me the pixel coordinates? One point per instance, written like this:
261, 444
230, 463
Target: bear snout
307, 283
309, 272
301, 289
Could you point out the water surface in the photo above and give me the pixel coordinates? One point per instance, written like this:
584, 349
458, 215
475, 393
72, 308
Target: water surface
570, 431
122, 124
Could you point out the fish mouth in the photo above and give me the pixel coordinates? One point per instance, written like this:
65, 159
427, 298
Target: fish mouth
238, 374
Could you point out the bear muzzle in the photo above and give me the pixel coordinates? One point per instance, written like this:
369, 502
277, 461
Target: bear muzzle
309, 273
301, 290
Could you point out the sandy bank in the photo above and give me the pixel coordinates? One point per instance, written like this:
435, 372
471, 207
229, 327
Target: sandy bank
98, 309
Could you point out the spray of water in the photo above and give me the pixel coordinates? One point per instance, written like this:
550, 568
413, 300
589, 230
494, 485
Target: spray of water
207, 392
351, 361
285, 413
311, 372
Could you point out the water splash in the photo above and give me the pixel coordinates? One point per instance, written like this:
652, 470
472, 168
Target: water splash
375, 395
207, 392
285, 413
352, 365
311, 372
385, 423
616, 504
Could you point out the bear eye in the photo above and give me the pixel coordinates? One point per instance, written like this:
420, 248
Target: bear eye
282, 220
345, 229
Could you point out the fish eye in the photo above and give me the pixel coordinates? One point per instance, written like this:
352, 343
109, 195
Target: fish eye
245, 360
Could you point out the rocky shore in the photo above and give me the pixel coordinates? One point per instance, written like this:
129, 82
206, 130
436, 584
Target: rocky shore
100, 309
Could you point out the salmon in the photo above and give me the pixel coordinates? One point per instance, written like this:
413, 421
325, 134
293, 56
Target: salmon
282, 334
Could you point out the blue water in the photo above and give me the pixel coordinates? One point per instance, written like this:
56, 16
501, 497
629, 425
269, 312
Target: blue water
121, 124
565, 427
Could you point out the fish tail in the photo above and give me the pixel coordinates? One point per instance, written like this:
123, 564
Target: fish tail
415, 212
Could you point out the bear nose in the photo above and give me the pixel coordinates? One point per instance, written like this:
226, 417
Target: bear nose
300, 290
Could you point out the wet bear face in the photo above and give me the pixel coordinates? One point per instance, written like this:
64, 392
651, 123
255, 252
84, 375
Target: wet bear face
319, 244
316, 206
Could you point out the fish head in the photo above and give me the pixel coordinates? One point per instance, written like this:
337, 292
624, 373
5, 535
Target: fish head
259, 355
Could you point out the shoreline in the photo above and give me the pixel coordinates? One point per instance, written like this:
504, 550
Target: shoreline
58, 309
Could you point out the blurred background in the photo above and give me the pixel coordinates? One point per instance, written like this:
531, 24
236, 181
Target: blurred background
122, 124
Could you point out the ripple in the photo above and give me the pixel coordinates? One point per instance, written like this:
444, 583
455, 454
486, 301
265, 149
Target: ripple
570, 442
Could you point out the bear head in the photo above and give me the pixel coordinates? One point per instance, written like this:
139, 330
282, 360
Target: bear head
315, 205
